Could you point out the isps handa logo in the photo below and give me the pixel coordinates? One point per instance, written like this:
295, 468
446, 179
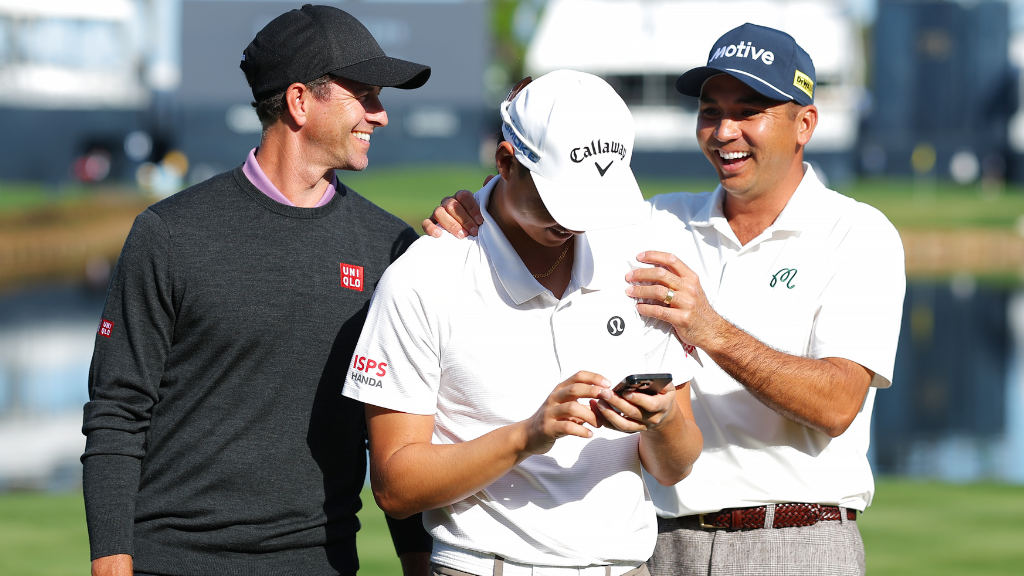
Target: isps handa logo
361, 367
581, 153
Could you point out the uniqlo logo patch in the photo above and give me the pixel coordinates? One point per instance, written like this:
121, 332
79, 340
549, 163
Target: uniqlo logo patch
352, 277
106, 326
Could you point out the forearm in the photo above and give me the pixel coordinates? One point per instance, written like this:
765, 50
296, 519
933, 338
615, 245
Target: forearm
669, 451
117, 565
825, 394
424, 476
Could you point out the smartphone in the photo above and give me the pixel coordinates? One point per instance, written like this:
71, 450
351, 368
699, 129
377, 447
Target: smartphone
643, 383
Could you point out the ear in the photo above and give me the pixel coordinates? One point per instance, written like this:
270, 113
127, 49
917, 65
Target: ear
505, 161
806, 121
297, 99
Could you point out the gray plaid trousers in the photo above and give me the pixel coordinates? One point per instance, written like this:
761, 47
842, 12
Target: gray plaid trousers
826, 548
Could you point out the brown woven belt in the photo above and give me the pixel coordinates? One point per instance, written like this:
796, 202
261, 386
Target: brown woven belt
786, 516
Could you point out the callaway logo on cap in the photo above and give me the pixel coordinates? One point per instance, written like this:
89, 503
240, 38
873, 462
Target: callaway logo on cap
575, 134
767, 60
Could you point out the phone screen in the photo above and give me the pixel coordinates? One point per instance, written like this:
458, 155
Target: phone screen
643, 383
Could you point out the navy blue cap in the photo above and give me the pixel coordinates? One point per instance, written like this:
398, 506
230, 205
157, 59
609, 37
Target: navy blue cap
768, 60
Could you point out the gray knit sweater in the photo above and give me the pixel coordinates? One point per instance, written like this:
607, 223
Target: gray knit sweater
218, 439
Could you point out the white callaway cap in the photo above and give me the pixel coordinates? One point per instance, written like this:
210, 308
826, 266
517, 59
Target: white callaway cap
575, 134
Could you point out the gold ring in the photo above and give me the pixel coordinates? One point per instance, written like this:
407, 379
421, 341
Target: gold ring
668, 297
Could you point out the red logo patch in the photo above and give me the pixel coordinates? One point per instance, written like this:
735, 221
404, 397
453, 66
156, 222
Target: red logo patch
689, 349
105, 327
352, 277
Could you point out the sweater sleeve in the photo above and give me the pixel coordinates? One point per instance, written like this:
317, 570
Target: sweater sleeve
127, 365
409, 534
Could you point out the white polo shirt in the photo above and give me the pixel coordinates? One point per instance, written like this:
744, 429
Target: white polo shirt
826, 279
459, 329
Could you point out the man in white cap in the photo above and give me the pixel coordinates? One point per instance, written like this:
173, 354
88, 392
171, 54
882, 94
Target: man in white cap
794, 294
486, 366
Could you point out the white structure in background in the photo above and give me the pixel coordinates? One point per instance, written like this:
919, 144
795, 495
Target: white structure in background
43, 370
642, 46
1013, 456
1016, 128
70, 54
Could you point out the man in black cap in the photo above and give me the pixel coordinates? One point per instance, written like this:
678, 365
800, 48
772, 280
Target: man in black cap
218, 438
794, 294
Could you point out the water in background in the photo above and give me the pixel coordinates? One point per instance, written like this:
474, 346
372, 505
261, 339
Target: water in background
46, 340
955, 410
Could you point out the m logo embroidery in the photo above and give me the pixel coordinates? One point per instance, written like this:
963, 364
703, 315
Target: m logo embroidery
352, 277
784, 277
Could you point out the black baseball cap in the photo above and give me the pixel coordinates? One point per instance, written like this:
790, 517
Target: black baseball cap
768, 60
304, 44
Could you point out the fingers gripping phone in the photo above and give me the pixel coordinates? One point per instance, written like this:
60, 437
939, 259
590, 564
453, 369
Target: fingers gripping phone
649, 384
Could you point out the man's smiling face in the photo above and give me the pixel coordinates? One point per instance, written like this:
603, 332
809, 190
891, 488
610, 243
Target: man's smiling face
344, 122
752, 141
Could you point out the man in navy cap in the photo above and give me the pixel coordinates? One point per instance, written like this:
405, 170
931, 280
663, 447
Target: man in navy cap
218, 438
794, 294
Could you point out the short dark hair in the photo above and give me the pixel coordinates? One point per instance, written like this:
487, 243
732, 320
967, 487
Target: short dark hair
793, 109
270, 109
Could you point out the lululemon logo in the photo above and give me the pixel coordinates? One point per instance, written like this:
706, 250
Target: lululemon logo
616, 326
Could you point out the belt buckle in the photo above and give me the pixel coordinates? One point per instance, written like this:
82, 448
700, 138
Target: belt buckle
700, 520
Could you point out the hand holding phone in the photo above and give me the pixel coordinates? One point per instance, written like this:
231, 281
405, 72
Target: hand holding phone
649, 384
644, 410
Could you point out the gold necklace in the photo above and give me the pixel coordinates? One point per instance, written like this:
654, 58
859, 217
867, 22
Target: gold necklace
557, 262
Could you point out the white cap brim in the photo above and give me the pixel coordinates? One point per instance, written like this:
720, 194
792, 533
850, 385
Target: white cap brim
584, 207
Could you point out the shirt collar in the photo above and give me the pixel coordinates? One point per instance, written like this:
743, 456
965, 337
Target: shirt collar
513, 275
259, 179
711, 213
799, 210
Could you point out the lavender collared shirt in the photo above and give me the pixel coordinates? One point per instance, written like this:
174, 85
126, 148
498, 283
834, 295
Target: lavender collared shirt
255, 174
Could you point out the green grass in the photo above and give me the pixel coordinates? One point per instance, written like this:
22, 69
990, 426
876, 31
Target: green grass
939, 529
376, 552
412, 191
912, 528
943, 205
43, 535
21, 196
